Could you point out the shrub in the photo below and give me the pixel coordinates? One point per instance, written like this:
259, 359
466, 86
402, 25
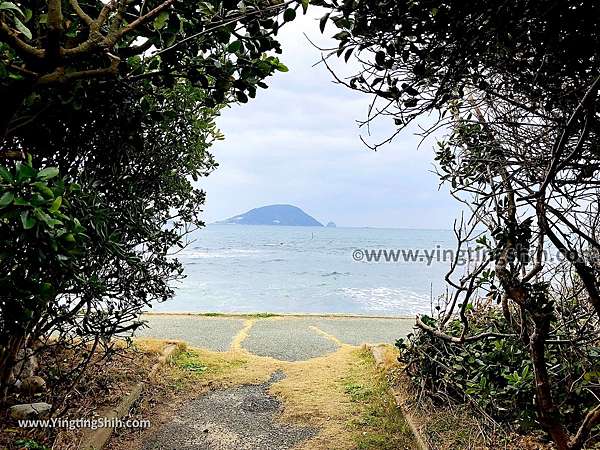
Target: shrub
496, 374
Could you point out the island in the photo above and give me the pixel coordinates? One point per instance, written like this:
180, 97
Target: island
283, 215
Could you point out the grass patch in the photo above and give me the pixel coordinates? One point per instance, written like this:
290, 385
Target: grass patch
190, 361
345, 396
196, 362
30, 444
379, 424
263, 315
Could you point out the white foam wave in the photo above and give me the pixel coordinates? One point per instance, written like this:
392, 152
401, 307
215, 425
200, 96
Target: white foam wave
383, 299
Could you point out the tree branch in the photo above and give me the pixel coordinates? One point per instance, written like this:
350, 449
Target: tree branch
81, 13
462, 339
591, 419
114, 37
23, 48
61, 76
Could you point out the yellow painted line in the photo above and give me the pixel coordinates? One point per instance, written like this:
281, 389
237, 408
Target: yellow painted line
326, 335
236, 343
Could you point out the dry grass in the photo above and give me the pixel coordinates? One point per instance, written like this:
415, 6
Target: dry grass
347, 397
343, 394
450, 427
104, 383
322, 392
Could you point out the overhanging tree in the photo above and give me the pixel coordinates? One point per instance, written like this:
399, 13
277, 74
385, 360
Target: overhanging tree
53, 42
516, 88
126, 159
121, 98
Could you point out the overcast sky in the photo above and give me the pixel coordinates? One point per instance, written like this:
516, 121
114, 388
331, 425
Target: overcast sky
298, 143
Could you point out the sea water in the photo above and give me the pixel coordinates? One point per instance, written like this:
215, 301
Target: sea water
277, 269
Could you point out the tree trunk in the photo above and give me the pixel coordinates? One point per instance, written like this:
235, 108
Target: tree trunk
8, 359
548, 414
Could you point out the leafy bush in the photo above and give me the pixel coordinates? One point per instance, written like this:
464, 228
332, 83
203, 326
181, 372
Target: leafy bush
496, 374
127, 161
41, 258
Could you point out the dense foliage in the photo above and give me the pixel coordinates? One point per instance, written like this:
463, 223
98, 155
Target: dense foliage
219, 45
35, 209
497, 375
515, 88
424, 54
119, 98
131, 166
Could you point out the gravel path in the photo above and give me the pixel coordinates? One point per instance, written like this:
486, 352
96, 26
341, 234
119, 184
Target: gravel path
240, 418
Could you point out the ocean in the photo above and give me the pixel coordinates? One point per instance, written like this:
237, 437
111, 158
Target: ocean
277, 269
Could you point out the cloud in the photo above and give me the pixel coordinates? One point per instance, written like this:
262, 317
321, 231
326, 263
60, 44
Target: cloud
298, 142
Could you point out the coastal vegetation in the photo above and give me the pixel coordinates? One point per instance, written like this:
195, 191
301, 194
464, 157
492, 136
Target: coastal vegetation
514, 87
108, 114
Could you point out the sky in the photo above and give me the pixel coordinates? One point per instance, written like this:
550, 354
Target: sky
299, 143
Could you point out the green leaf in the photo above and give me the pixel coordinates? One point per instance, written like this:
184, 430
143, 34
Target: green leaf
305, 4
27, 220
47, 173
19, 201
6, 199
342, 36
242, 98
44, 189
235, 46
24, 171
22, 28
282, 67
323, 22
10, 5
5, 174
348, 54
42, 216
47, 291
161, 20
69, 237
56, 204
289, 14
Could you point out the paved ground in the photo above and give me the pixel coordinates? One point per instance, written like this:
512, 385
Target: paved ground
287, 338
239, 418
212, 333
